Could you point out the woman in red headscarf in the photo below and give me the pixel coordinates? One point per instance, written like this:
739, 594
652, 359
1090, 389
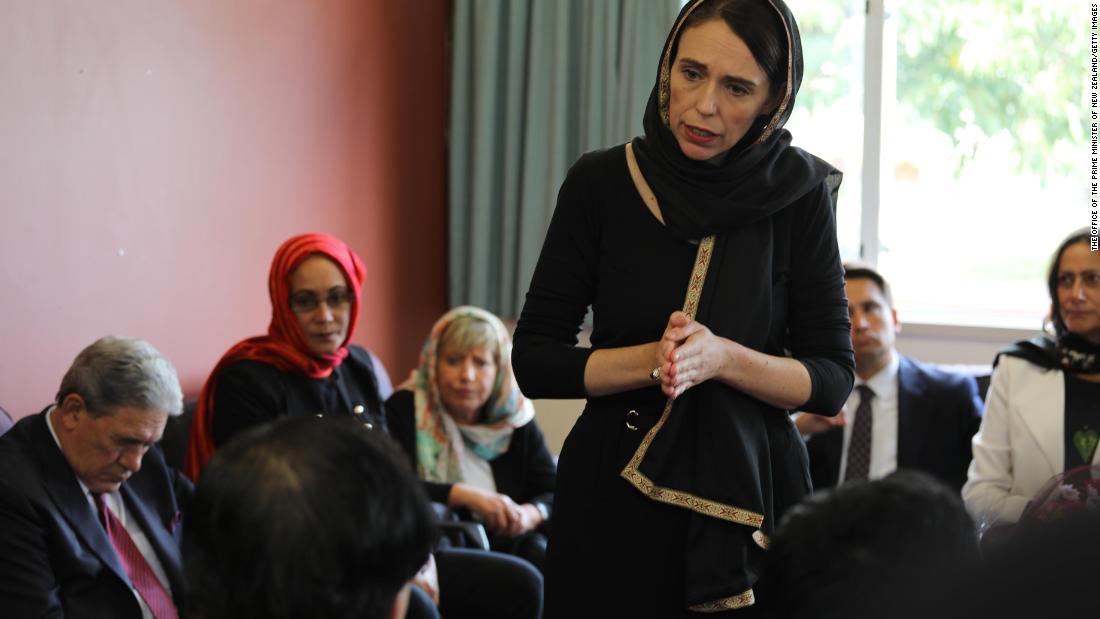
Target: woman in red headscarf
305, 366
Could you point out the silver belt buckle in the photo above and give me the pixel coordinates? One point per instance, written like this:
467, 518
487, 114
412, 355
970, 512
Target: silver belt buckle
628, 424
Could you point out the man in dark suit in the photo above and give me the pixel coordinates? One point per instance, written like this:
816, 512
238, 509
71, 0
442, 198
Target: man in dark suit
89, 512
913, 416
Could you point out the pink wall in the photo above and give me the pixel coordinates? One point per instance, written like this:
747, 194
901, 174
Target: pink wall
155, 154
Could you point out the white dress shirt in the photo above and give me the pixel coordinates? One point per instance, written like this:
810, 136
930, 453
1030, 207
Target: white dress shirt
884, 416
118, 508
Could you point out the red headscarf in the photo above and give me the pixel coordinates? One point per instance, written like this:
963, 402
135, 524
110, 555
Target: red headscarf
284, 346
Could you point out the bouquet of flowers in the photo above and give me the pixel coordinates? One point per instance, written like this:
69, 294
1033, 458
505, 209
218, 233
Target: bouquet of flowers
1075, 491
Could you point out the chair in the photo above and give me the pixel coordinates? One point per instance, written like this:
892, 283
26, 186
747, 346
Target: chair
177, 432
5, 421
981, 372
983, 384
458, 533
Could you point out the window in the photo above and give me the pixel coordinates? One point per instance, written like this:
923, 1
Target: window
828, 114
964, 144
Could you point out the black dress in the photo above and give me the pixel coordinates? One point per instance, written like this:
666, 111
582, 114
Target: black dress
614, 552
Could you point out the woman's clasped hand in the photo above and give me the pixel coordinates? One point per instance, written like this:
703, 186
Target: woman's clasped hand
689, 354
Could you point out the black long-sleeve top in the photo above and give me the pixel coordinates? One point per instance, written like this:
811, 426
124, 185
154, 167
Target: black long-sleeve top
250, 393
605, 249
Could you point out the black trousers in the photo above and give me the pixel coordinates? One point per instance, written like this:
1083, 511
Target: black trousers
482, 585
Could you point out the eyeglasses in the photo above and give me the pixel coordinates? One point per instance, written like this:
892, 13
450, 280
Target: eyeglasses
305, 301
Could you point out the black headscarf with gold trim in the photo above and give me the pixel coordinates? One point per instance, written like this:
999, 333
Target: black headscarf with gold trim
722, 451
761, 175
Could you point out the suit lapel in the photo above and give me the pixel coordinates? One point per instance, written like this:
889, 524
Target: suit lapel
912, 426
1042, 407
65, 491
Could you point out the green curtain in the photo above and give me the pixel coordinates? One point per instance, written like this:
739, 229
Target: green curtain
535, 84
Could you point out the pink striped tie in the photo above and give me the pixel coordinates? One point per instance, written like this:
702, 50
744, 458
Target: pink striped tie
141, 575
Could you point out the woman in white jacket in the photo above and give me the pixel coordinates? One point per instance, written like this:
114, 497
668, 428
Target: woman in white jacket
1042, 413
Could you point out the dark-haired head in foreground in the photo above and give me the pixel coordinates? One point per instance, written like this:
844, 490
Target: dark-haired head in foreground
870, 549
306, 517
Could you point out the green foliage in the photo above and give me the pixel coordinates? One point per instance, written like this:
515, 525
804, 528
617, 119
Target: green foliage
971, 69
832, 44
981, 67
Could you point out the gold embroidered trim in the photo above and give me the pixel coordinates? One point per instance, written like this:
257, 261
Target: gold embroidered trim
664, 75
644, 484
740, 600
762, 540
769, 129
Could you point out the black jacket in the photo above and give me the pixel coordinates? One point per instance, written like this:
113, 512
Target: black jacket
526, 472
251, 393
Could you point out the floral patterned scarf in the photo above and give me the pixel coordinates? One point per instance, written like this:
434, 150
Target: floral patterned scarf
438, 454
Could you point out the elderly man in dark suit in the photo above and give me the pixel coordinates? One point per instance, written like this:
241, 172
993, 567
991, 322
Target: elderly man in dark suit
89, 512
901, 414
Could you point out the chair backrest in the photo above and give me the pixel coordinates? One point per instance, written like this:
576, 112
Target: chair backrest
981, 373
983, 384
5, 421
456, 532
177, 432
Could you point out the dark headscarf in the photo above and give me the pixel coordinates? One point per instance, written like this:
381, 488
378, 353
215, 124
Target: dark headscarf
284, 346
760, 176
1060, 348
1068, 352
732, 460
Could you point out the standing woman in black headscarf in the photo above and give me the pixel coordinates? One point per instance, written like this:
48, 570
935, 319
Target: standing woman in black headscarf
707, 251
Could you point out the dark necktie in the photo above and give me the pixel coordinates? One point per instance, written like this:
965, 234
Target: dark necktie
859, 445
141, 574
